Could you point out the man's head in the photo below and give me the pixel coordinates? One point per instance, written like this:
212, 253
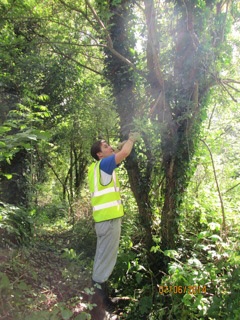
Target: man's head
100, 149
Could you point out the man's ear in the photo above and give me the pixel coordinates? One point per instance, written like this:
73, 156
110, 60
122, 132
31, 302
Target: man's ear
99, 154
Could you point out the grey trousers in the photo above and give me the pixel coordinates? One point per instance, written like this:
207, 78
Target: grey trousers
108, 237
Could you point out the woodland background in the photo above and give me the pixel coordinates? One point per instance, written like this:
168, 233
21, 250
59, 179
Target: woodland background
74, 71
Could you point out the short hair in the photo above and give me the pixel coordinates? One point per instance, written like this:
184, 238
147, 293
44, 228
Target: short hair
96, 147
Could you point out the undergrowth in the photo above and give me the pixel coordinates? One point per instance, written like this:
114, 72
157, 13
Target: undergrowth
46, 265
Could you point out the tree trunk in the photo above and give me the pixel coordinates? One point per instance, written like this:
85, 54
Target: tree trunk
177, 108
121, 77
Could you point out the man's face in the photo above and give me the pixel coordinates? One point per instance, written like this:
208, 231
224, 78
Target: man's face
106, 150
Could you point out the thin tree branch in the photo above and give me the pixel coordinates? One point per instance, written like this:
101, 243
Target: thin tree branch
78, 10
71, 44
211, 116
218, 189
223, 85
59, 42
230, 80
232, 188
55, 173
230, 86
58, 51
226, 89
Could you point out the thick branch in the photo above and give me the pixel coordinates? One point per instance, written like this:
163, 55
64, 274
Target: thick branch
155, 75
152, 36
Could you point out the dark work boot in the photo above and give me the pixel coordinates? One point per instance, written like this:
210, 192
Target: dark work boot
102, 291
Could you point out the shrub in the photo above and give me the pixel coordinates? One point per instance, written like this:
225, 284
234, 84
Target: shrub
16, 225
204, 281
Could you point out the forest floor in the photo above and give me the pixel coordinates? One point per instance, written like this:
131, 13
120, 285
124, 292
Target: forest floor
48, 279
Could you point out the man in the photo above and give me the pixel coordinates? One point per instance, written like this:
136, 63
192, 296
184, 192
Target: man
107, 210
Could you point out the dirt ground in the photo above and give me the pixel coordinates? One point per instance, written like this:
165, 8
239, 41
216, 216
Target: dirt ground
46, 280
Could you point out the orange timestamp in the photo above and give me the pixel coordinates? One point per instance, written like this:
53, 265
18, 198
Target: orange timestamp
194, 289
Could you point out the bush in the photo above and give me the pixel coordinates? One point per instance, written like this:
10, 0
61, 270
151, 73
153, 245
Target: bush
203, 283
16, 225
202, 280
51, 212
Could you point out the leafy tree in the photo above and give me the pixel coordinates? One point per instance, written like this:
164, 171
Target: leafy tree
184, 56
53, 97
17, 45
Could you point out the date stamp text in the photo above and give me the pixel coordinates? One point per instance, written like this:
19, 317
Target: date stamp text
194, 289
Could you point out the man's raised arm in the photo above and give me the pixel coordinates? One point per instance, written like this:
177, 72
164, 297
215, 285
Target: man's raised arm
127, 147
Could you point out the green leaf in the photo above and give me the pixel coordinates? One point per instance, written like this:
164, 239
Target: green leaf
83, 316
195, 261
155, 249
215, 237
26, 135
214, 226
4, 129
187, 299
171, 253
38, 315
145, 304
23, 286
66, 314
4, 281
42, 135
43, 97
7, 175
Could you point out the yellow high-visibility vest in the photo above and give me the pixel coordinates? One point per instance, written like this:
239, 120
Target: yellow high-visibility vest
105, 200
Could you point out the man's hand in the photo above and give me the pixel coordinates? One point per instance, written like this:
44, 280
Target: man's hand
120, 145
134, 136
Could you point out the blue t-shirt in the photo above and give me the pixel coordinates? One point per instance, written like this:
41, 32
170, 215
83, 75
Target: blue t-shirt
107, 165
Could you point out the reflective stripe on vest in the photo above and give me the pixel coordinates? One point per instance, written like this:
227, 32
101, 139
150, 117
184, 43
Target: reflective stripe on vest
105, 191
107, 205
